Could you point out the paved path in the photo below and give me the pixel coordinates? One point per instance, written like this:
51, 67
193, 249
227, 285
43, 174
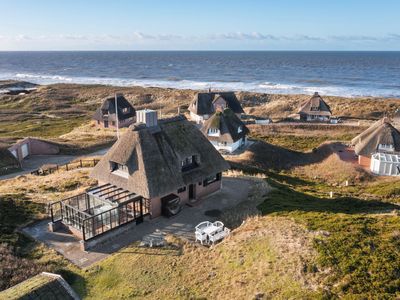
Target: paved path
233, 192
35, 162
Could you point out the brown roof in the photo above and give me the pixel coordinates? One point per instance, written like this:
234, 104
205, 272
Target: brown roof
315, 106
108, 107
153, 156
202, 103
380, 133
228, 124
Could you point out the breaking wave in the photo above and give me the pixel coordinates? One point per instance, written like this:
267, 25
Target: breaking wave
174, 82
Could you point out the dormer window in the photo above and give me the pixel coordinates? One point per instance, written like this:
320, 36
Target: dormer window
119, 169
384, 147
126, 110
213, 132
189, 163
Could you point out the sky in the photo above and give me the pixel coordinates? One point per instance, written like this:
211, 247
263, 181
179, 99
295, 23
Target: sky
199, 25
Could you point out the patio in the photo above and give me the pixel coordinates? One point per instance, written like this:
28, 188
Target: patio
233, 192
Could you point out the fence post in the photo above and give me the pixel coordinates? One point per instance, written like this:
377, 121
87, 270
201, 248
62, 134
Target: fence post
80, 162
66, 166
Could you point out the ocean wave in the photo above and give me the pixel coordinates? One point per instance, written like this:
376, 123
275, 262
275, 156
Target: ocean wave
173, 82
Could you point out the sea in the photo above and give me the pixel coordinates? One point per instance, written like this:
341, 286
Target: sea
278, 72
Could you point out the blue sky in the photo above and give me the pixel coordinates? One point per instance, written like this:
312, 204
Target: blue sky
199, 25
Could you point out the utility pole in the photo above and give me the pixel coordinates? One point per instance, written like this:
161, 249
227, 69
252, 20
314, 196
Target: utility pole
116, 115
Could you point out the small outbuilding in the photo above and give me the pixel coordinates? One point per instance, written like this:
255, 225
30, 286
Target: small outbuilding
315, 110
225, 131
33, 146
377, 146
106, 115
204, 105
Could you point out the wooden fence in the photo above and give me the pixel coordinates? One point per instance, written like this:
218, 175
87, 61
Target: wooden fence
82, 163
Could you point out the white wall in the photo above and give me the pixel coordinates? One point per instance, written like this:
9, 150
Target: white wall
230, 147
381, 167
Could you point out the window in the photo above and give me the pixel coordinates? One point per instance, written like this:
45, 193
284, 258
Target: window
385, 147
126, 110
182, 189
240, 129
119, 169
112, 123
213, 132
189, 163
211, 179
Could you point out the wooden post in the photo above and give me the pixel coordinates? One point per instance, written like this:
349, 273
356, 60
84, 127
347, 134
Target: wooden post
66, 166
80, 162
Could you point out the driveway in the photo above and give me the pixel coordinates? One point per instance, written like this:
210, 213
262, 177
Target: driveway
233, 192
36, 161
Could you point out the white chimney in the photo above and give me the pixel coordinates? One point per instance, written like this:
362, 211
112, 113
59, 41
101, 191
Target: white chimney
147, 116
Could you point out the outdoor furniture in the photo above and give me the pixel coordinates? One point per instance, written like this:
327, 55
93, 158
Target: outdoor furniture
200, 234
211, 232
219, 235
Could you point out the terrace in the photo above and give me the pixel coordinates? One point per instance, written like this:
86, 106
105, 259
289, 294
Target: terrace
99, 210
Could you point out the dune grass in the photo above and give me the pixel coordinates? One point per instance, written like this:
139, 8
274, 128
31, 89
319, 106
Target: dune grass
359, 240
41, 128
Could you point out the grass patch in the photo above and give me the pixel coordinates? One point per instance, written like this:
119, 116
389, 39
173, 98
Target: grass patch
43, 128
359, 241
294, 142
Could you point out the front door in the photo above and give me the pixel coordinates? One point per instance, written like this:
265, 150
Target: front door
191, 191
105, 124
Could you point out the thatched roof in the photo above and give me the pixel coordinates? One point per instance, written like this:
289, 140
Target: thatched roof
380, 133
396, 116
41, 286
315, 106
202, 103
228, 124
108, 107
153, 156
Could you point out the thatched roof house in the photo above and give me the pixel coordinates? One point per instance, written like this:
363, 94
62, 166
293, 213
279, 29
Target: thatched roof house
380, 137
315, 109
225, 130
156, 160
206, 104
106, 115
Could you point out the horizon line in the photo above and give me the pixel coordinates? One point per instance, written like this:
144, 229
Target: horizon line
200, 50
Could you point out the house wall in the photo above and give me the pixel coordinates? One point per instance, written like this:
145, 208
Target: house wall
230, 147
122, 124
35, 147
200, 192
364, 161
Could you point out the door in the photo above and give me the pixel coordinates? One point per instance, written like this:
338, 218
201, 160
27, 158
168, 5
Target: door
25, 150
191, 191
105, 124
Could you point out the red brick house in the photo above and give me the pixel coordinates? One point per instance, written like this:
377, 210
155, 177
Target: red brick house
152, 170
